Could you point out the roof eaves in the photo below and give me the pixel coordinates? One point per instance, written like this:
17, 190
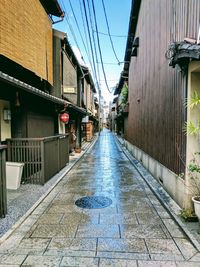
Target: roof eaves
30, 89
52, 7
131, 31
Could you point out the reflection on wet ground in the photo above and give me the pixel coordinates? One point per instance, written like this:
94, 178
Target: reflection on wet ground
134, 230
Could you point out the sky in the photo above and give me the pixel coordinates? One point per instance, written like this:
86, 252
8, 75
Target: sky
118, 13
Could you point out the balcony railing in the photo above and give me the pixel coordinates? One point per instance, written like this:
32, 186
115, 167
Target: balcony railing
42, 157
3, 193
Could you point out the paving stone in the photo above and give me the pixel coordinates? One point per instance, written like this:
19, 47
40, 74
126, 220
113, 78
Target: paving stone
10, 244
185, 247
50, 230
70, 253
108, 210
142, 231
156, 264
173, 228
50, 218
166, 257
123, 255
73, 244
117, 263
63, 209
41, 261
196, 257
78, 261
35, 243
80, 218
187, 264
148, 218
126, 218
12, 259
122, 245
111, 231
162, 246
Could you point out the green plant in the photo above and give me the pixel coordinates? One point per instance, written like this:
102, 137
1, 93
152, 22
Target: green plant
190, 127
188, 215
123, 98
194, 166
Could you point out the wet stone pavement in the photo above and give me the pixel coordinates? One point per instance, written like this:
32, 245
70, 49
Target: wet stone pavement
132, 230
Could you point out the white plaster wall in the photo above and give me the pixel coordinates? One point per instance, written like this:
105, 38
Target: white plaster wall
5, 125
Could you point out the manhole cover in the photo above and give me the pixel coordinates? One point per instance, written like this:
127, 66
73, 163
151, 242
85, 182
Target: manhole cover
93, 202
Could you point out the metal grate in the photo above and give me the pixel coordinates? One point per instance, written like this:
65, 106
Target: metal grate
93, 202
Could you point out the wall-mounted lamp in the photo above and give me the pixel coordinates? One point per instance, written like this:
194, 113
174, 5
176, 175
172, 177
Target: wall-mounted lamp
6, 114
134, 52
136, 42
135, 47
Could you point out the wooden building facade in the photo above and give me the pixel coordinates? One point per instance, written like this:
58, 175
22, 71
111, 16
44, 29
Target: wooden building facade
28, 111
158, 92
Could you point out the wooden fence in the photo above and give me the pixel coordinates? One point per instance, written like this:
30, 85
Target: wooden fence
3, 193
42, 157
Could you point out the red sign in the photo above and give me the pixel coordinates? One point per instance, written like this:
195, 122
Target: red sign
64, 117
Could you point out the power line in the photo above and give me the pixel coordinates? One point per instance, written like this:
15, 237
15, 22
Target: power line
86, 37
74, 36
111, 41
93, 37
86, 49
90, 41
113, 35
110, 63
100, 53
70, 26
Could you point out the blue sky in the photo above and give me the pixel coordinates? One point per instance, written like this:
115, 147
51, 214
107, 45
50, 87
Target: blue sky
118, 12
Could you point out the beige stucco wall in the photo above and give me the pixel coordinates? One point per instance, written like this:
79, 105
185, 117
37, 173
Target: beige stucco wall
193, 115
26, 36
5, 125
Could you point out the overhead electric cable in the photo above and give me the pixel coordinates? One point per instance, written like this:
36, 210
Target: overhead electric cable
86, 38
110, 63
113, 35
111, 41
94, 42
70, 26
86, 48
99, 47
90, 40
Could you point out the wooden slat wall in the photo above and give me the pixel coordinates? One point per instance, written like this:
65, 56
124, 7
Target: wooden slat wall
156, 91
26, 36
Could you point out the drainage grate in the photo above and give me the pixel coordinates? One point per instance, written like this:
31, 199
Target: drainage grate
93, 202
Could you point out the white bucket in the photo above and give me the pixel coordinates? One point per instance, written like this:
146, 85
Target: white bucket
13, 174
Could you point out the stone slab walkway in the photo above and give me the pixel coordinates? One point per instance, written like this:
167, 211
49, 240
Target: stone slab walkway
135, 230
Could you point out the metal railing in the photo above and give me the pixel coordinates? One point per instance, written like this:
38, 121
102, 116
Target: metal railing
3, 192
42, 157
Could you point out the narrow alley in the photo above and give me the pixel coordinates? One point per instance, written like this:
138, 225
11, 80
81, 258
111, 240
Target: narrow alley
122, 225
